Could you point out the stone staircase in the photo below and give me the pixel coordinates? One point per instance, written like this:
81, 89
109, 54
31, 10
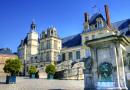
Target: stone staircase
42, 73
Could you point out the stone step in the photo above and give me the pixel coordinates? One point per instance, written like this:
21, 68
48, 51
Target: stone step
42, 75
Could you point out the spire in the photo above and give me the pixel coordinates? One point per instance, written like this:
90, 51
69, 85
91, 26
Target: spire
33, 26
33, 22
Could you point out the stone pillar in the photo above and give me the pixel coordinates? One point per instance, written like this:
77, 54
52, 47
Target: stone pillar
52, 56
66, 56
115, 71
121, 67
51, 44
94, 67
74, 55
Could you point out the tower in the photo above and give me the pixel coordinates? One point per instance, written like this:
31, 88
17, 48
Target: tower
32, 41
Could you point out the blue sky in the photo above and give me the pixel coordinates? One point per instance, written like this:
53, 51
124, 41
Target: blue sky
67, 16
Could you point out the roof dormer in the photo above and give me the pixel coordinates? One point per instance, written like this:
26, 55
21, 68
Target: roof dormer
99, 22
92, 27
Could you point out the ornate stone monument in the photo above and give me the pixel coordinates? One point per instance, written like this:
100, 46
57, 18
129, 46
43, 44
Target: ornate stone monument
107, 70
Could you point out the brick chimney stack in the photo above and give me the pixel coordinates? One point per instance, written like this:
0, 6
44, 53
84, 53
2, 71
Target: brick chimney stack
41, 36
86, 17
107, 16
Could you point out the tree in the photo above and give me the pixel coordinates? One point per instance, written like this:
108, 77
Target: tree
12, 66
50, 69
8, 49
32, 70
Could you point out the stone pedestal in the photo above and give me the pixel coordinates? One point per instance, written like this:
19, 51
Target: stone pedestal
107, 51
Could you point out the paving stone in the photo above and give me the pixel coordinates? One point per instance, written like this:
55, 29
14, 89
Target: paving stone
25, 83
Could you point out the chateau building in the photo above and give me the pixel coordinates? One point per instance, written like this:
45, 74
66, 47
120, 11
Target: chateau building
70, 51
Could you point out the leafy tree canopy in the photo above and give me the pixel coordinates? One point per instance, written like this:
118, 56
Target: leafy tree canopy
32, 70
8, 49
12, 66
50, 69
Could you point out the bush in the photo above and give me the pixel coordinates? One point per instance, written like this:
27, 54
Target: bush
12, 66
50, 69
32, 70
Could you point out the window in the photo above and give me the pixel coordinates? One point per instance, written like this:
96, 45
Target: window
70, 55
55, 46
36, 57
28, 36
77, 54
93, 36
87, 53
47, 56
86, 38
41, 66
31, 57
63, 56
42, 45
48, 44
41, 57
86, 27
36, 66
27, 68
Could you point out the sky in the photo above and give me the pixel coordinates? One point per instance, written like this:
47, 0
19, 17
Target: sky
67, 16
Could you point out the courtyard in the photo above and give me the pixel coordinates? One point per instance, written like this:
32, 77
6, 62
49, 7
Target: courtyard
25, 83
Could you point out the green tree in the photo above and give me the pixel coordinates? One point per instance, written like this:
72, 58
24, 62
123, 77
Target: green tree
50, 69
8, 49
12, 66
32, 70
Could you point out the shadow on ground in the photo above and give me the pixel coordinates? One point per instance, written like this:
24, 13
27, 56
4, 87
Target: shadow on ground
2, 82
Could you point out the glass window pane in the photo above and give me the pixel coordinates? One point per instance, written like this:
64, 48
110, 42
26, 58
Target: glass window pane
77, 54
87, 53
86, 38
70, 55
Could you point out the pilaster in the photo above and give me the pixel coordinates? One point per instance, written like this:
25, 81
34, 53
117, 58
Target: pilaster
121, 66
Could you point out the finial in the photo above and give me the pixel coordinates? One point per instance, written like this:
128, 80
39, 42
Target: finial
49, 26
52, 26
33, 22
99, 10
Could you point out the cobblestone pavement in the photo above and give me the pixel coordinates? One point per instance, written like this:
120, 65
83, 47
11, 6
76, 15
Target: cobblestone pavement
25, 83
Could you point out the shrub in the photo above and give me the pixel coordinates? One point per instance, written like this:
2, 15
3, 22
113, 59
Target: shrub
50, 69
32, 70
12, 66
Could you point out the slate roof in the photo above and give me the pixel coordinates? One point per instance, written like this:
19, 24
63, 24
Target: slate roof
94, 17
75, 40
6, 52
71, 41
123, 26
25, 42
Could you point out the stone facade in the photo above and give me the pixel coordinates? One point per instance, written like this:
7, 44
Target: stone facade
107, 49
66, 53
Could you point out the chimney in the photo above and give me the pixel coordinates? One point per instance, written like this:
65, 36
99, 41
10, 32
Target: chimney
86, 17
107, 16
41, 36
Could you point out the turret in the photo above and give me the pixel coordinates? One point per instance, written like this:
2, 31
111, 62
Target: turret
33, 26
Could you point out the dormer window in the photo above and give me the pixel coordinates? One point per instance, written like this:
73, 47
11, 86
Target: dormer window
92, 27
86, 26
99, 22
